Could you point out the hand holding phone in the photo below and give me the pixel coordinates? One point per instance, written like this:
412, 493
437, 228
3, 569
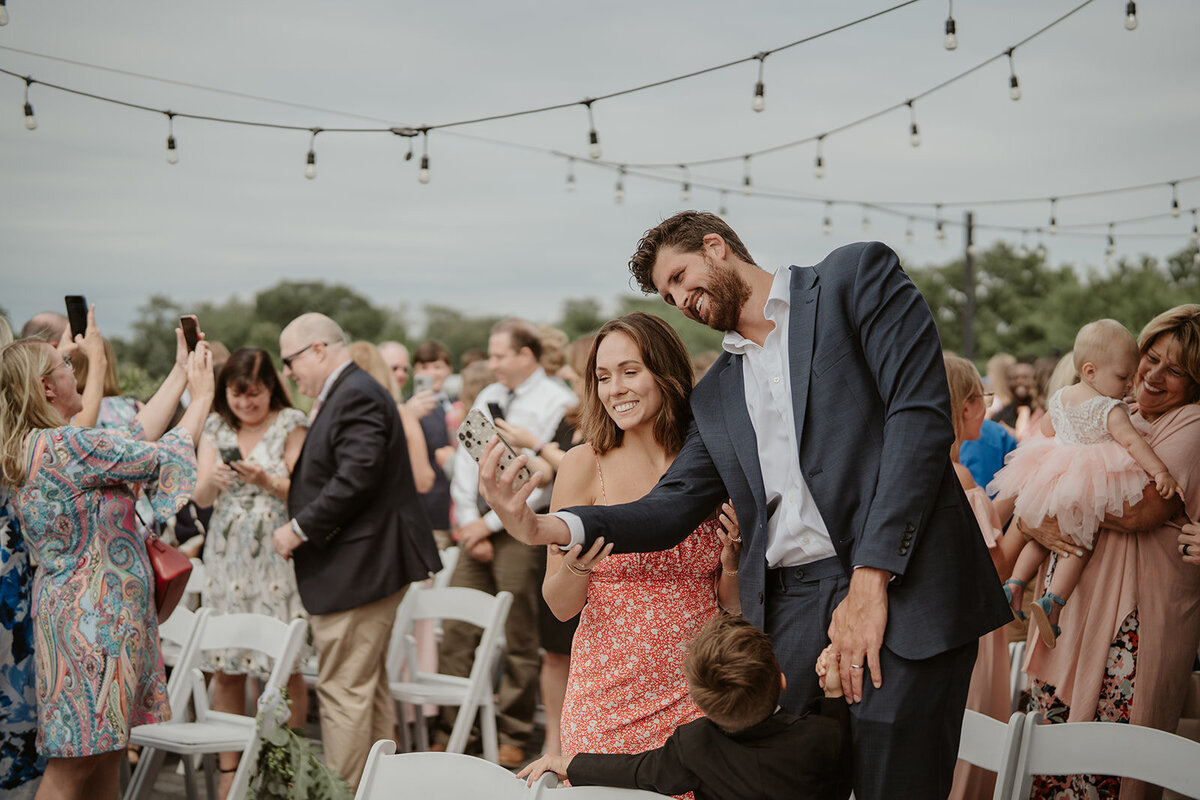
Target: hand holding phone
476, 431
77, 314
422, 383
231, 454
191, 331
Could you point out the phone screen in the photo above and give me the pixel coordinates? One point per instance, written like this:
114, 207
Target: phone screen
496, 411
77, 314
191, 331
422, 383
230, 454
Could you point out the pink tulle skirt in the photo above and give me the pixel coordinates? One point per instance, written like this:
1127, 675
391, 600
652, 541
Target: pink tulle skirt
1075, 484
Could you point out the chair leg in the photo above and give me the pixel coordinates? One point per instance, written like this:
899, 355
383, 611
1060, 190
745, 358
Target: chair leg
189, 776
422, 732
406, 736
142, 781
462, 727
487, 729
210, 763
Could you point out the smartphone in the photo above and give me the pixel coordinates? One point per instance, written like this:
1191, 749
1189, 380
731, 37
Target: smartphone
422, 383
191, 330
77, 314
476, 431
231, 454
496, 411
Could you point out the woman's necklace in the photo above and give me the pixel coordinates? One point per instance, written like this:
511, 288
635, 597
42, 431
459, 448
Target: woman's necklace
255, 428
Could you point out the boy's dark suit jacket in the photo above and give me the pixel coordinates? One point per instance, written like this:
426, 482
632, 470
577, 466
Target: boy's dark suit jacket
353, 496
782, 757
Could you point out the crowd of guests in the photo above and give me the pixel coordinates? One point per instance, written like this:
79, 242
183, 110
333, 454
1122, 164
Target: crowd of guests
626, 552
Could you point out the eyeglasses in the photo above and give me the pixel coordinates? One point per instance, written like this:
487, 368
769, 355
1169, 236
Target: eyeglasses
988, 397
66, 362
287, 360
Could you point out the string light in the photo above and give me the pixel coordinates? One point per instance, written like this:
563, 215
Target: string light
172, 153
747, 186
1041, 247
939, 231
1175, 211
760, 101
620, 195
915, 138
951, 40
1052, 229
1014, 86
1111, 247
30, 119
722, 209
1195, 230
827, 223
423, 172
593, 137
3, 13
570, 174
819, 164
909, 236
310, 168
866, 220
1130, 15
1022, 248
685, 190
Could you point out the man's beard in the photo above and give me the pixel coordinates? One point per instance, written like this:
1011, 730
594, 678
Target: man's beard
726, 293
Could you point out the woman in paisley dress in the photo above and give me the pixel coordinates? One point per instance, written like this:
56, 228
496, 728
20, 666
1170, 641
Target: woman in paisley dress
251, 443
1130, 634
626, 692
99, 671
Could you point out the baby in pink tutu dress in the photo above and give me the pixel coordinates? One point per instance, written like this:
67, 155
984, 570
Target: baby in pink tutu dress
1091, 462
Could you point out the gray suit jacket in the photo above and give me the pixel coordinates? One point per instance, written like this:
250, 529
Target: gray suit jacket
871, 409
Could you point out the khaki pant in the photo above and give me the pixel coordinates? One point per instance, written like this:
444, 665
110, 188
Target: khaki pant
516, 568
356, 707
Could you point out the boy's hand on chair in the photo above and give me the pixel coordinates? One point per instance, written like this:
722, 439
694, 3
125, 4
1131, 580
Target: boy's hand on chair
547, 763
830, 679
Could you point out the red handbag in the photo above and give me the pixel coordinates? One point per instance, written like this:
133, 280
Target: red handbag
171, 571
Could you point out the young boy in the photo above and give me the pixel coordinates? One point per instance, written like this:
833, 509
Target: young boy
745, 746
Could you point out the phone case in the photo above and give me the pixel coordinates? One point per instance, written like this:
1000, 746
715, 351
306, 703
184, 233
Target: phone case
77, 314
476, 431
231, 454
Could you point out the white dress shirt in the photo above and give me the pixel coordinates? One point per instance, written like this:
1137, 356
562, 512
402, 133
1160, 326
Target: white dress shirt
796, 533
538, 404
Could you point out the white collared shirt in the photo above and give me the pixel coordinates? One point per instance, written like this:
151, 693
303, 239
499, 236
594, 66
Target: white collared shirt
538, 404
796, 533
333, 376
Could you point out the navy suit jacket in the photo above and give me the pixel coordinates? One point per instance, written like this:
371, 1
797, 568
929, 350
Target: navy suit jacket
353, 496
871, 410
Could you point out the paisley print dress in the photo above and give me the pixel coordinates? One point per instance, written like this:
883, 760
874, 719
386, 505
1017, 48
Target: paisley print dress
243, 573
20, 766
99, 671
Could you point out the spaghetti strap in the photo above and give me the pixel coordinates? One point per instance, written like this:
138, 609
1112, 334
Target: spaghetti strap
603, 496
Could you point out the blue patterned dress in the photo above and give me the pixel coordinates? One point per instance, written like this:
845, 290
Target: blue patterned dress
20, 766
99, 670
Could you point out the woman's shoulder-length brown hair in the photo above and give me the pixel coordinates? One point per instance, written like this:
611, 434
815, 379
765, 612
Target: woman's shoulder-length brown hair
247, 366
666, 359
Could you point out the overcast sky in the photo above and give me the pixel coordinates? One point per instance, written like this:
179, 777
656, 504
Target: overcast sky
89, 205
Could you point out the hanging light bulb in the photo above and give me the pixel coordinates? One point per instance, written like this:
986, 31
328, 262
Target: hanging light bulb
172, 153
620, 195
570, 174
1014, 86
1052, 228
1175, 210
310, 168
1023, 249
819, 165
1111, 247
593, 137
685, 190
722, 209
866, 220
909, 236
1195, 229
951, 40
915, 134
423, 172
827, 223
760, 101
1041, 251
747, 186
30, 119
1130, 15
939, 231
3, 13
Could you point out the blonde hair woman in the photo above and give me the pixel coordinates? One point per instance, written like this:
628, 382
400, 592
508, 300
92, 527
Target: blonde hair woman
72, 492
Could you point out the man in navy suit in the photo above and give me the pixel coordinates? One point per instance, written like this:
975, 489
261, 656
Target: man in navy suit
827, 422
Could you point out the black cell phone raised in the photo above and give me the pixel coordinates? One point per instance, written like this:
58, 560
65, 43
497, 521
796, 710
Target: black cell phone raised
496, 411
231, 454
77, 314
191, 330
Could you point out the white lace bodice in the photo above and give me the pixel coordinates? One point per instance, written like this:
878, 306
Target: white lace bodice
1086, 423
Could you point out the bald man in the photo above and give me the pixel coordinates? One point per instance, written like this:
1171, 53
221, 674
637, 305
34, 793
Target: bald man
46, 325
358, 536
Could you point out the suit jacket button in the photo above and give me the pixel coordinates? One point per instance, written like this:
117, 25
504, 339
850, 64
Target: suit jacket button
909, 528
760, 598
799, 574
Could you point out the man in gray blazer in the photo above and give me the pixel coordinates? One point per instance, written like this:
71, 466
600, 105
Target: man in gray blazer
827, 422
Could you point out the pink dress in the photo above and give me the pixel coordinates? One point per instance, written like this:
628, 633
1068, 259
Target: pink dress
1077, 476
989, 692
626, 692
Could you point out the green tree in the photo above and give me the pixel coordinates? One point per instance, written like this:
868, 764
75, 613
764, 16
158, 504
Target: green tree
458, 331
289, 299
696, 337
581, 317
151, 347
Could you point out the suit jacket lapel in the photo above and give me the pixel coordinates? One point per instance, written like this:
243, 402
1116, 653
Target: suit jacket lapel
322, 418
802, 320
741, 430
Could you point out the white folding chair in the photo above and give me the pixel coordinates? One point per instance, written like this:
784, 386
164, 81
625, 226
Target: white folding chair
446, 776
992, 745
441, 579
215, 732
1017, 679
1107, 748
472, 694
549, 790
175, 629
